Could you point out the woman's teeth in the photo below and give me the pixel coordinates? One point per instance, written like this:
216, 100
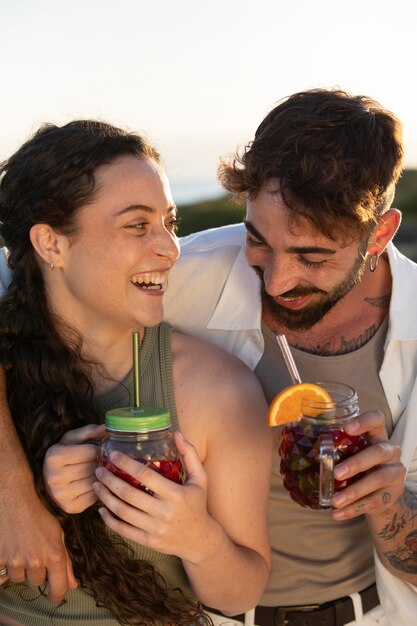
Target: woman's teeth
149, 280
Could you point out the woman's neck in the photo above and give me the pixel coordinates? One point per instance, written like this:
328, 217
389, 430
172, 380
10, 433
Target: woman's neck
108, 350
113, 354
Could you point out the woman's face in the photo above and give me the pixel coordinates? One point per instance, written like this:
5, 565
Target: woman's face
113, 271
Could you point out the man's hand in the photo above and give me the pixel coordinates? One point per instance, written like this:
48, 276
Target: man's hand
32, 545
383, 482
31, 538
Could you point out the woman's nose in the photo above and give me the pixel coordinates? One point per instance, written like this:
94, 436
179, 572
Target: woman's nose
166, 245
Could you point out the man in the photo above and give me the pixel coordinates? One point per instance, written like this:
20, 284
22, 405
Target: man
314, 261
319, 179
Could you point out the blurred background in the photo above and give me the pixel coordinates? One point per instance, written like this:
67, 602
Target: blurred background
198, 77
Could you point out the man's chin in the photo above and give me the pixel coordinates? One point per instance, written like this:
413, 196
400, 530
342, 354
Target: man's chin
296, 320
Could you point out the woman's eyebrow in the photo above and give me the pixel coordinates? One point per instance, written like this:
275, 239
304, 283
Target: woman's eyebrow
142, 207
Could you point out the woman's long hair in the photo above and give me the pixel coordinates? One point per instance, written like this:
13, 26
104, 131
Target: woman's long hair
49, 388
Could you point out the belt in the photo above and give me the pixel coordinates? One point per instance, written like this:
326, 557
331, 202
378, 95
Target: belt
335, 613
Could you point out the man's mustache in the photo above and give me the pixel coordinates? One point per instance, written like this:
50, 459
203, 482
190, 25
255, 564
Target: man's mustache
299, 292
296, 292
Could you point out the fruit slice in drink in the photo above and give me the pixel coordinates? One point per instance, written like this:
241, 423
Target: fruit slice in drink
286, 406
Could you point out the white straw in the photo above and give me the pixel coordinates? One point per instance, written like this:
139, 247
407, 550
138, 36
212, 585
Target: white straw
288, 358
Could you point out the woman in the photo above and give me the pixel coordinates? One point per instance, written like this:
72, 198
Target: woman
89, 222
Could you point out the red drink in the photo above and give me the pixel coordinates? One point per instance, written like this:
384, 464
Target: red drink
310, 448
144, 434
300, 459
173, 470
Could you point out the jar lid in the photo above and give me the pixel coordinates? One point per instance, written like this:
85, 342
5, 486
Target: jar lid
138, 419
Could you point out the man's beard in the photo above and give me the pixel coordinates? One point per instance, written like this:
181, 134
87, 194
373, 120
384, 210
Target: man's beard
307, 317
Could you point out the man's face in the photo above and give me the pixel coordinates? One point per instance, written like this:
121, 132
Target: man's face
303, 273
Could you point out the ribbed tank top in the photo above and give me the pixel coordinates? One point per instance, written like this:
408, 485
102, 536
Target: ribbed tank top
156, 382
26, 604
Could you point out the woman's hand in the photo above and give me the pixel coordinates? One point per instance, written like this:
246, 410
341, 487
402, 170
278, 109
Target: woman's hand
383, 481
68, 468
174, 519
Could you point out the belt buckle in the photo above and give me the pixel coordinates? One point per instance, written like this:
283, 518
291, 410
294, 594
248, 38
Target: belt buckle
281, 612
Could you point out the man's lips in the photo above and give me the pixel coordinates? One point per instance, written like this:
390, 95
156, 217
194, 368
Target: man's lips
294, 302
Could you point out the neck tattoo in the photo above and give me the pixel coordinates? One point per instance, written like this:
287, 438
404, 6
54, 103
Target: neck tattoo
344, 345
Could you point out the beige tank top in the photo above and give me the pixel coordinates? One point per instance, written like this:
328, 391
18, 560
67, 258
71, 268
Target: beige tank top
315, 559
27, 605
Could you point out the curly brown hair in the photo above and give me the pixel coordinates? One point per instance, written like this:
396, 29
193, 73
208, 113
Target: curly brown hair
336, 158
48, 381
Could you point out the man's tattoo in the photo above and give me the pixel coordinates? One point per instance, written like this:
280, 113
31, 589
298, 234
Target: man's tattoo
345, 345
399, 520
350, 345
393, 527
382, 302
405, 559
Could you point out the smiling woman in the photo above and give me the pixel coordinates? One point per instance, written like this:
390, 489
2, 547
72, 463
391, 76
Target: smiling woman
115, 237
89, 222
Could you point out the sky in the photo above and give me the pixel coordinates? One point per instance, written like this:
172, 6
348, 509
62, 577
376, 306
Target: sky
197, 77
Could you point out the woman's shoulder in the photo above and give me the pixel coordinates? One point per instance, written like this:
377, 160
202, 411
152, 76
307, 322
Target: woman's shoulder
199, 355
211, 376
217, 395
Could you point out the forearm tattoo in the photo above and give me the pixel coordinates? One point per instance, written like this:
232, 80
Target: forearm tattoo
403, 558
394, 526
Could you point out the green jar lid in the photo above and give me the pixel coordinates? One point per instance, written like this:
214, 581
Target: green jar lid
141, 420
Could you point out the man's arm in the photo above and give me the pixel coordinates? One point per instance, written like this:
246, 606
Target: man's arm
395, 537
31, 538
390, 509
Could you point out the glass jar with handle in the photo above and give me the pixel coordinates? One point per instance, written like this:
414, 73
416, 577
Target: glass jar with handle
311, 447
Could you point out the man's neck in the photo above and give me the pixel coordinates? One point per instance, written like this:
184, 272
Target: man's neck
351, 322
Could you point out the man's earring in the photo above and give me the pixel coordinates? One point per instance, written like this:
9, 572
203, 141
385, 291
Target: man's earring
373, 261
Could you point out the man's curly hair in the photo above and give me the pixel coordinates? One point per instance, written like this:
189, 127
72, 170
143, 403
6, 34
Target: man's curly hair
336, 159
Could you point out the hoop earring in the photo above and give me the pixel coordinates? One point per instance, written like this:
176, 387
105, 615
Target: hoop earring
373, 261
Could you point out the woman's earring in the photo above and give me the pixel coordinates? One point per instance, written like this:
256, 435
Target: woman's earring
373, 261
52, 266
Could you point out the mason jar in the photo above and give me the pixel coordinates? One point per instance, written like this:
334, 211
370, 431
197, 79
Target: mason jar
144, 434
311, 447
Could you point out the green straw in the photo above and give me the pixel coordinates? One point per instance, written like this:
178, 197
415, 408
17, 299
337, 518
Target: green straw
136, 367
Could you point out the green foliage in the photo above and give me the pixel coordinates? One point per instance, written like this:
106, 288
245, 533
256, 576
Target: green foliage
406, 195
224, 210
209, 214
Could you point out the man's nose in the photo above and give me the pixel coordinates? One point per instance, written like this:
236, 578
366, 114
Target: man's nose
280, 276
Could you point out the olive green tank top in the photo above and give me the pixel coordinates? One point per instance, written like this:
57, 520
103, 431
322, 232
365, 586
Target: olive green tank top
26, 604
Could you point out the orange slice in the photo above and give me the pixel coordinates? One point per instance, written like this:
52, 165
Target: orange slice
286, 406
